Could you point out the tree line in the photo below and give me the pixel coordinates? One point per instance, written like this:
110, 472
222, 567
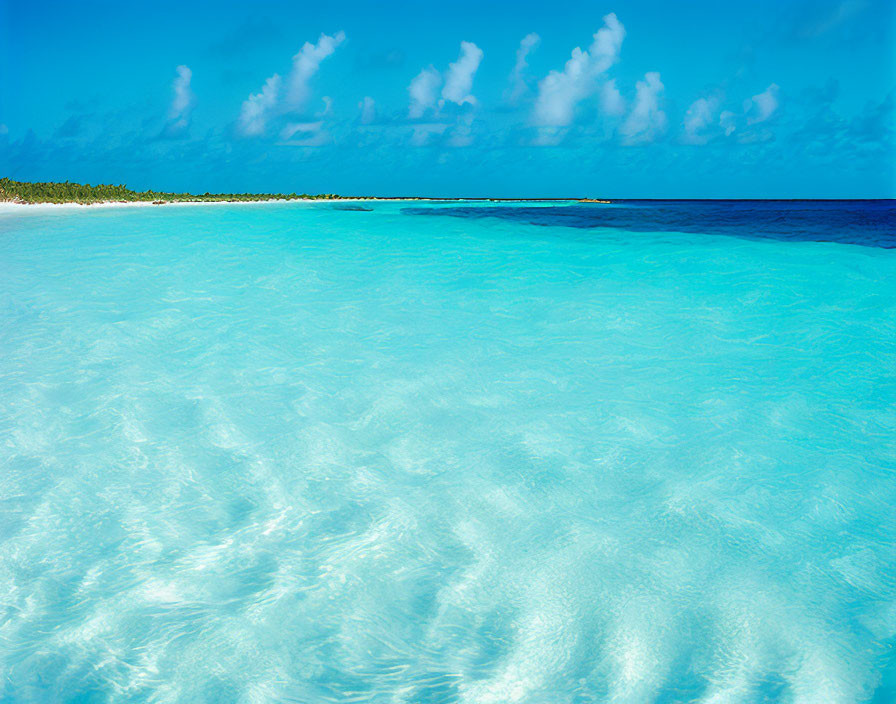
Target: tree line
68, 192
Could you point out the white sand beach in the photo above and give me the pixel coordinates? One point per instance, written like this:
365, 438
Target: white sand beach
19, 208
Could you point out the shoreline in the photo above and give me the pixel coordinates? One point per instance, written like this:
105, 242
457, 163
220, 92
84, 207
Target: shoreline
13, 207
9, 206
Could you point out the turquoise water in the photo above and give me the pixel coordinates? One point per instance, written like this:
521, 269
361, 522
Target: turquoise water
293, 453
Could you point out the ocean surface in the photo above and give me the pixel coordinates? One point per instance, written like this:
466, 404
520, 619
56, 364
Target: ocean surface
449, 452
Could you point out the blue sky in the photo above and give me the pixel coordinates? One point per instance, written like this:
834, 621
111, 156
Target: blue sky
617, 99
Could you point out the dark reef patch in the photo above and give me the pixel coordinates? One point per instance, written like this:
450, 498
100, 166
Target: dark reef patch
870, 223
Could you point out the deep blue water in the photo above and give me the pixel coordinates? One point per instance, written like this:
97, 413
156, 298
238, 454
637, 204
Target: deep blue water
871, 223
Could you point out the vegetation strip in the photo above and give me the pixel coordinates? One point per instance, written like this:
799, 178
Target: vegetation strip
68, 192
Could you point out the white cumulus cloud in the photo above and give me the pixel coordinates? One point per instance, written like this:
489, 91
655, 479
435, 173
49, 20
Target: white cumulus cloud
423, 90
328, 107
646, 119
290, 129
304, 134
698, 117
181, 109
457, 88
561, 91
459, 77
259, 107
423, 132
611, 100
256, 108
518, 76
305, 64
728, 122
367, 106
756, 110
462, 134
761, 107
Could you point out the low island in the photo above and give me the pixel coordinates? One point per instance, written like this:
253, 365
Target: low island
68, 193
84, 194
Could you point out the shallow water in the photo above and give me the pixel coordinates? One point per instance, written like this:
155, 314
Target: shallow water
297, 453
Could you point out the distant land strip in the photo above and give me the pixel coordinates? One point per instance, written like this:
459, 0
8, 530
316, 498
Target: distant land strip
27, 192
68, 192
